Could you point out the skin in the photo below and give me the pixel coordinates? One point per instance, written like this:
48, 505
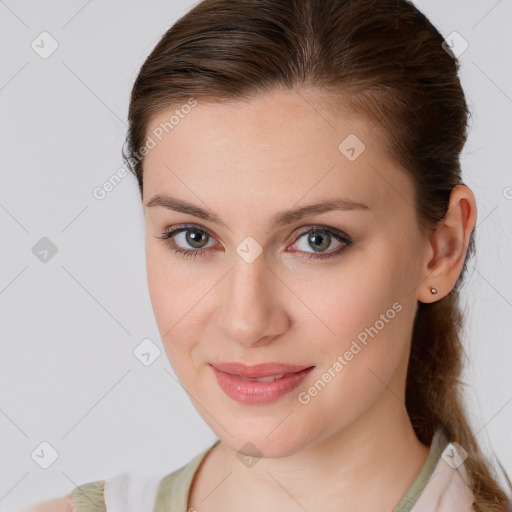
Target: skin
353, 442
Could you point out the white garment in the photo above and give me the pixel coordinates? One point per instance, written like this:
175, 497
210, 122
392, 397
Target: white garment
446, 490
131, 492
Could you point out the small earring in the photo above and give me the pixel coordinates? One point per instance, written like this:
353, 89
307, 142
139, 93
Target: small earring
433, 291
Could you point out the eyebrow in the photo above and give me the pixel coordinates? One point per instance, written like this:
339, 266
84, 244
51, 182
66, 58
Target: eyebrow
280, 219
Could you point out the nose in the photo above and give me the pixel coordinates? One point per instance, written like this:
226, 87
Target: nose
252, 311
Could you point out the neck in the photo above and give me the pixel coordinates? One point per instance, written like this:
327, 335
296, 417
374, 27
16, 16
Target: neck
368, 465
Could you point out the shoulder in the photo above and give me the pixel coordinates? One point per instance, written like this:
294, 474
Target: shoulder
90, 494
80, 499
447, 489
129, 492
55, 505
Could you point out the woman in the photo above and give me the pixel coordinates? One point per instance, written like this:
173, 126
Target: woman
307, 232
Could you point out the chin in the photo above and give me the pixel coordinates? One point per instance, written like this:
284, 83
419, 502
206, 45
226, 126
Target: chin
253, 441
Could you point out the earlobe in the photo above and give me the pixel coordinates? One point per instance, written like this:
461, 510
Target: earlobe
449, 243
427, 293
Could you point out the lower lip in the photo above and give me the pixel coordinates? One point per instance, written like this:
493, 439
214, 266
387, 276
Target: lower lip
254, 392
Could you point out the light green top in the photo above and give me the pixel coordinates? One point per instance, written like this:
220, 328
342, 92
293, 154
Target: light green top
173, 491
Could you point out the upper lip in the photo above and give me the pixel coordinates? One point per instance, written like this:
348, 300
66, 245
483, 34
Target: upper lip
258, 370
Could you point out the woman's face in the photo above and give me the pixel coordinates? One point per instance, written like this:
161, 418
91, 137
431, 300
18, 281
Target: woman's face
249, 290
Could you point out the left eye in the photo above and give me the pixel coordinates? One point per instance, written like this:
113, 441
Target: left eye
319, 239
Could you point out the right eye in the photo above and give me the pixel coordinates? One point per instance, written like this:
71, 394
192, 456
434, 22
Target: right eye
177, 238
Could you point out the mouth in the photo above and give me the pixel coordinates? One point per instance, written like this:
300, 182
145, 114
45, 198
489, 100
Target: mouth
261, 383
258, 371
270, 378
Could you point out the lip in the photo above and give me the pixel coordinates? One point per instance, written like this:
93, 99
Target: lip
258, 370
233, 380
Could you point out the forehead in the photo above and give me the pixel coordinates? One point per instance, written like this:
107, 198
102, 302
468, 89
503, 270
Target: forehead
278, 147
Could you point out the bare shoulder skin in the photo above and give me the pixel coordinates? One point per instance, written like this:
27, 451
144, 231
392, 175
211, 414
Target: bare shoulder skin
64, 504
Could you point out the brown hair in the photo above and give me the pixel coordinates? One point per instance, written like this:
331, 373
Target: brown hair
382, 60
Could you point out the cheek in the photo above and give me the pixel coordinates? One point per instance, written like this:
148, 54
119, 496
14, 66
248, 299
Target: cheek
362, 316
359, 363
169, 290
350, 296
160, 282
178, 296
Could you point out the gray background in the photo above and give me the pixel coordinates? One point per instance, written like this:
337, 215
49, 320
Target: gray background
68, 375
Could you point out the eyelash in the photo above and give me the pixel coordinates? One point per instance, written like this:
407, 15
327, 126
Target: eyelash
167, 235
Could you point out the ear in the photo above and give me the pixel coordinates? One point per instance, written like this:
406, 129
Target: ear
448, 245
